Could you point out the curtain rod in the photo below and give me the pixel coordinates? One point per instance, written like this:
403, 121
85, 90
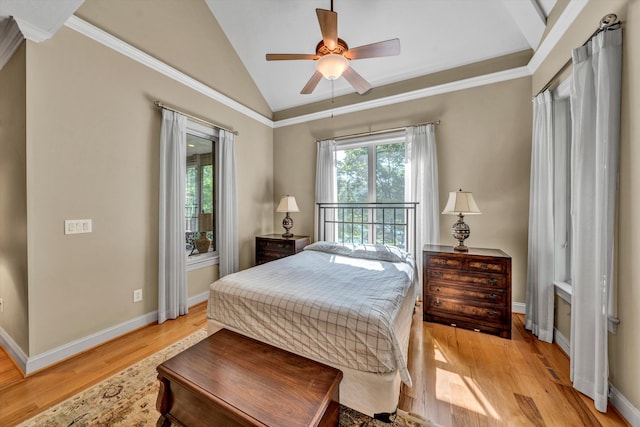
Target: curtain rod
159, 104
608, 22
377, 132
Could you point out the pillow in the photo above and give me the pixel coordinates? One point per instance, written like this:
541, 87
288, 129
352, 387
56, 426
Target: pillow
331, 247
375, 252
379, 253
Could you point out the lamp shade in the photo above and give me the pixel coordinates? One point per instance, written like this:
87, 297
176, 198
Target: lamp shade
461, 202
332, 66
288, 204
205, 222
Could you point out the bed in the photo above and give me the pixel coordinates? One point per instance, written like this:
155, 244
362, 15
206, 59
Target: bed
348, 305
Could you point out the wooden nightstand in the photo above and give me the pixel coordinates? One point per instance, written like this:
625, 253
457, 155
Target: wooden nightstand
273, 246
468, 289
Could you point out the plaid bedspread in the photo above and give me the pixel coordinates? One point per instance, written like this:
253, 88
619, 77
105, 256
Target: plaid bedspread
335, 309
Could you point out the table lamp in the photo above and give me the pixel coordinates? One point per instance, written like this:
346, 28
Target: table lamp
205, 223
287, 204
461, 203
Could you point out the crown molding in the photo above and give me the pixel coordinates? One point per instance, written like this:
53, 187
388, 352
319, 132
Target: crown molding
155, 64
33, 32
472, 82
10, 40
565, 20
555, 34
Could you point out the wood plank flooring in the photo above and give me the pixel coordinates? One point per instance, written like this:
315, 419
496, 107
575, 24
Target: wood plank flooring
461, 378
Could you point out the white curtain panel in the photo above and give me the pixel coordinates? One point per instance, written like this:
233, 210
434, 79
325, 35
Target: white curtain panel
172, 275
423, 185
595, 151
540, 265
227, 204
326, 182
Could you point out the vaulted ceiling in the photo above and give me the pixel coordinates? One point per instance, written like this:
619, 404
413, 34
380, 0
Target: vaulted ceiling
435, 35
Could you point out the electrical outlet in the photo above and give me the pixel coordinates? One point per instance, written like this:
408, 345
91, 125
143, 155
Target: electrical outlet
137, 295
1, 305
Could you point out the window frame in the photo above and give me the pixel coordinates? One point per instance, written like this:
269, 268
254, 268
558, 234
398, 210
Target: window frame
562, 202
197, 261
371, 142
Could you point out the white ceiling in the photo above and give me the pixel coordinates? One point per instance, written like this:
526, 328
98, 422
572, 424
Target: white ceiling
435, 35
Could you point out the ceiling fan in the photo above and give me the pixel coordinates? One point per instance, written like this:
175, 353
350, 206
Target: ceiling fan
333, 55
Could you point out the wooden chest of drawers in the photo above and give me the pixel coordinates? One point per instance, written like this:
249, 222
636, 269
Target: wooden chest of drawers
468, 289
273, 246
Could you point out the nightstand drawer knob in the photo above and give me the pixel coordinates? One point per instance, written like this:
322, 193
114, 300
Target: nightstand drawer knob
492, 296
484, 266
437, 302
493, 281
442, 261
436, 274
437, 289
492, 312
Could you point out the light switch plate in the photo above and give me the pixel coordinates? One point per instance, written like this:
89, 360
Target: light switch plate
77, 226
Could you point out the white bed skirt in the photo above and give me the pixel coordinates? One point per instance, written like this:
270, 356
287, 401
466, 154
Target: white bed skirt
367, 392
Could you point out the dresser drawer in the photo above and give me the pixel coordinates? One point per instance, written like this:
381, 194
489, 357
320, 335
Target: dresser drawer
483, 314
276, 245
484, 280
465, 293
486, 266
444, 261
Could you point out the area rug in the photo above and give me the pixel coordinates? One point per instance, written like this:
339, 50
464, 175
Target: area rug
128, 398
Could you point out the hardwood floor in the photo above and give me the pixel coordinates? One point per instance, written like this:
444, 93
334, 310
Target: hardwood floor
461, 378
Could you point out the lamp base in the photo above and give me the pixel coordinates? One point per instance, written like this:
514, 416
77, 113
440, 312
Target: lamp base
460, 231
287, 224
202, 244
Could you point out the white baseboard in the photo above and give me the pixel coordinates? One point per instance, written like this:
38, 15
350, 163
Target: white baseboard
30, 365
518, 307
13, 349
624, 407
197, 299
65, 351
562, 341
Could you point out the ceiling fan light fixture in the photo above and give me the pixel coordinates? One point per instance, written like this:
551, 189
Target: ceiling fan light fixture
332, 66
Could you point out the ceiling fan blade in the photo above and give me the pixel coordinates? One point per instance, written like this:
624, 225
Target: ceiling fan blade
328, 21
356, 80
289, 56
312, 83
373, 50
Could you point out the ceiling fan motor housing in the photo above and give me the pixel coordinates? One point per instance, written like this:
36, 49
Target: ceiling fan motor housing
322, 50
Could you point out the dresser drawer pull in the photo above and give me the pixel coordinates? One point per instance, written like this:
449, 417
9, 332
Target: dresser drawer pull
484, 266
493, 281
442, 261
492, 296
437, 289
492, 312
436, 274
437, 302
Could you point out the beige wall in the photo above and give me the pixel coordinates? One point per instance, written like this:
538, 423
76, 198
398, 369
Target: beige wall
13, 202
92, 152
624, 346
484, 145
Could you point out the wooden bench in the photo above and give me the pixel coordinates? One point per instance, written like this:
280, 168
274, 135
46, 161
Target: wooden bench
231, 380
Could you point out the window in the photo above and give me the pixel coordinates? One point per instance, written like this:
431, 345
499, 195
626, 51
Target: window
562, 184
370, 171
200, 206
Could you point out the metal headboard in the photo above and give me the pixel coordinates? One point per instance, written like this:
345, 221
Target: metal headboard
387, 223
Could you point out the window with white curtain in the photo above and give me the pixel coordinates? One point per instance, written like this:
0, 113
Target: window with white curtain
562, 186
200, 203
368, 170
